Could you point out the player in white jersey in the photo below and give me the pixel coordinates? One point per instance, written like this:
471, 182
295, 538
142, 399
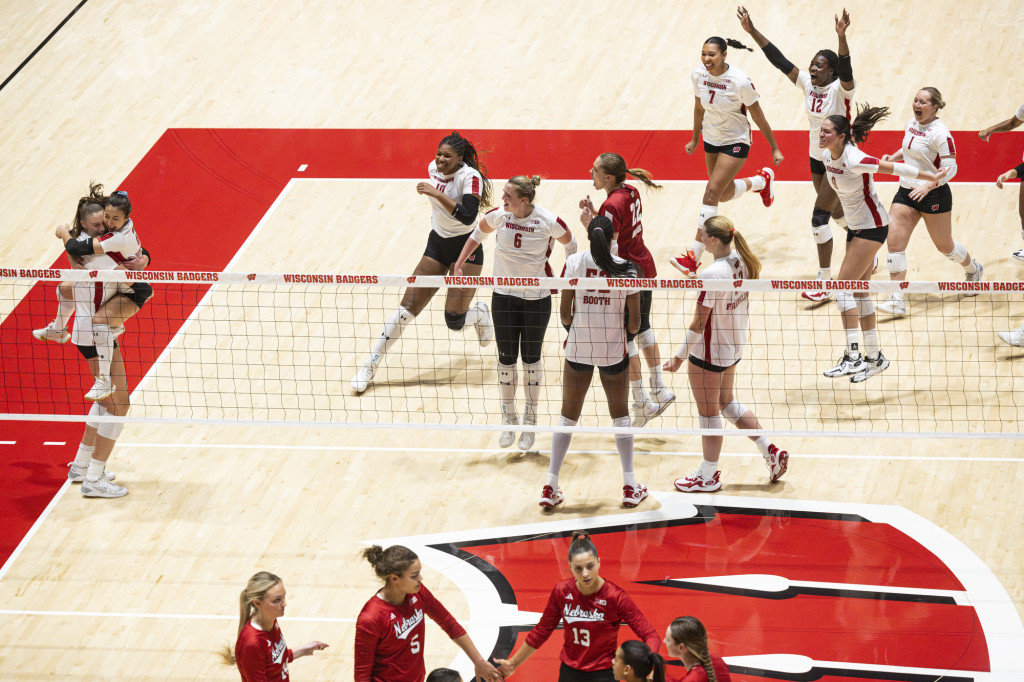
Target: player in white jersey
928, 146
828, 87
457, 188
849, 171
521, 316
597, 338
1004, 126
714, 346
723, 95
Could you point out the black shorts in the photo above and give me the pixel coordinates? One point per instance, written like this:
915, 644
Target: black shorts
446, 250
519, 327
89, 352
874, 234
817, 167
618, 368
738, 149
646, 298
703, 364
567, 674
939, 200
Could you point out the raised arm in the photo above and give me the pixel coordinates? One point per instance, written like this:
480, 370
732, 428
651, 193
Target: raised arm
845, 66
776, 57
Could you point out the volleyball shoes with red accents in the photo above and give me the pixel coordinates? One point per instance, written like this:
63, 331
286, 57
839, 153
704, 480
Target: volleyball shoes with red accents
549, 497
777, 461
632, 495
696, 483
768, 193
686, 264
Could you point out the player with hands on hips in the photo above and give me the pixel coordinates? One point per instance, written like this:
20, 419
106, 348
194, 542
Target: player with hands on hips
828, 87
1009, 124
723, 94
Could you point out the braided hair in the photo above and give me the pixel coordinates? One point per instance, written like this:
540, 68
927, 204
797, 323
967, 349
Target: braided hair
689, 632
471, 158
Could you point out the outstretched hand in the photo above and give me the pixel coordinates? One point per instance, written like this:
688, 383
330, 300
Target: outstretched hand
485, 671
744, 16
842, 23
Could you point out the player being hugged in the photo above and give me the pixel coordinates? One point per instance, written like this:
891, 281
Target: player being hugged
597, 338
591, 610
624, 208
457, 188
828, 87
928, 146
714, 346
390, 629
722, 96
1009, 124
849, 171
521, 316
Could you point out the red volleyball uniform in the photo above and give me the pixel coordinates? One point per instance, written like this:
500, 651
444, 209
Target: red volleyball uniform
389, 638
262, 656
592, 622
698, 674
623, 207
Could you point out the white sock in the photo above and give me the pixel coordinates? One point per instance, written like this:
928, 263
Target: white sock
739, 187
84, 454
762, 444
656, 379
639, 394
852, 342
971, 267
104, 342
65, 309
757, 183
559, 449
705, 213
624, 444
392, 331
698, 251
708, 469
824, 273
871, 346
96, 468
507, 389
530, 413
473, 315
534, 378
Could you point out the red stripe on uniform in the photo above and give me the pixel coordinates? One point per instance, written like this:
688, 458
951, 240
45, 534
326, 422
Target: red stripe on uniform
868, 200
562, 223
936, 161
116, 256
848, 103
952, 149
97, 295
106, 236
707, 335
476, 185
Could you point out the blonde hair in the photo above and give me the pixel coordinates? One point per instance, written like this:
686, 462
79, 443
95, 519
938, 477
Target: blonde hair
936, 96
613, 164
257, 588
721, 227
689, 632
87, 205
526, 186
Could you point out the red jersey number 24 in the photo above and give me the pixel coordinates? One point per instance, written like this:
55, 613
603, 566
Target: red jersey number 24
634, 208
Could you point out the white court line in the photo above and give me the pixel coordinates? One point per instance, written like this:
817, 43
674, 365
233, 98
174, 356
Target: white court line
176, 616
894, 181
55, 442
8, 442
32, 531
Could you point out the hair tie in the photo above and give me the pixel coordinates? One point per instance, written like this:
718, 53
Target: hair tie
122, 193
731, 230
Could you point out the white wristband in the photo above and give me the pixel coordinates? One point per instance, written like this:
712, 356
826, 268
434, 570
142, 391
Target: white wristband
571, 247
692, 339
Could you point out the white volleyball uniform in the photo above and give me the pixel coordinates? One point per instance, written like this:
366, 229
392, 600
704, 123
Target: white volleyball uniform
90, 296
850, 177
523, 246
924, 147
598, 332
725, 100
465, 180
120, 246
822, 102
725, 332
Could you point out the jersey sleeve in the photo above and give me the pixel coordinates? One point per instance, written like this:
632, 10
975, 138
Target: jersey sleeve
558, 227
803, 80
471, 183
367, 637
493, 218
695, 80
547, 623
1020, 113
848, 94
440, 615
945, 145
613, 209
112, 241
638, 622
748, 95
862, 163
251, 657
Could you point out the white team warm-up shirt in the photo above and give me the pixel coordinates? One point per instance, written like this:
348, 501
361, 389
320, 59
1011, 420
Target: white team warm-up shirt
465, 180
523, 246
924, 147
725, 100
725, 332
598, 332
850, 177
822, 102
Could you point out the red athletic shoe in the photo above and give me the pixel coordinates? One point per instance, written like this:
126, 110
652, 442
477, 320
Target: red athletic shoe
768, 193
817, 296
632, 495
777, 461
695, 483
686, 264
549, 497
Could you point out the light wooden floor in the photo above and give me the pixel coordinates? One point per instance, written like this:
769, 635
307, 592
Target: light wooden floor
210, 505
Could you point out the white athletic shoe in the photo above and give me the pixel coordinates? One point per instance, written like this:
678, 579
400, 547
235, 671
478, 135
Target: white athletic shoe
817, 296
102, 488
696, 483
632, 495
1019, 254
51, 333
895, 305
363, 377
101, 389
528, 438
848, 364
664, 397
777, 461
484, 326
976, 277
1014, 337
508, 437
873, 367
549, 497
76, 474
644, 412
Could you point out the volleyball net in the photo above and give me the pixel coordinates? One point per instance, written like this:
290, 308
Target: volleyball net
252, 348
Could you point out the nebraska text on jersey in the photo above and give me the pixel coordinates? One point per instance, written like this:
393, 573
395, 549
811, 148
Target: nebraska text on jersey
576, 614
406, 625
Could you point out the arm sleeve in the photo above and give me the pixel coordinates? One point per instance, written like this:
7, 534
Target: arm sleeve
440, 615
950, 163
466, 211
547, 624
845, 68
777, 59
148, 255
79, 247
366, 648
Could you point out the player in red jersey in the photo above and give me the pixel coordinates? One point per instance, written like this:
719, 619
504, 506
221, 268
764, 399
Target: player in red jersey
624, 209
390, 629
260, 652
591, 609
687, 640
635, 662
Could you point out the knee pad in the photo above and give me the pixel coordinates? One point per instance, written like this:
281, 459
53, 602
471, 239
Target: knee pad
819, 226
507, 373
534, 372
958, 254
733, 411
865, 307
645, 339
714, 422
96, 410
897, 261
455, 321
110, 430
631, 349
565, 421
844, 301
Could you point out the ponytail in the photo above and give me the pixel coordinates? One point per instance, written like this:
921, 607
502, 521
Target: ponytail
722, 228
471, 158
724, 44
87, 205
857, 132
581, 544
257, 588
690, 633
613, 164
601, 232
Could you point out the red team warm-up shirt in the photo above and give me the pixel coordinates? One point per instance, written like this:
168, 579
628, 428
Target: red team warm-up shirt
389, 638
262, 656
591, 624
623, 207
698, 674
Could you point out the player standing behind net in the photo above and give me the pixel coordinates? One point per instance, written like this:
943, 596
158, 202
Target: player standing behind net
597, 338
723, 95
591, 610
622, 206
927, 145
849, 170
457, 188
521, 316
714, 346
1010, 124
828, 87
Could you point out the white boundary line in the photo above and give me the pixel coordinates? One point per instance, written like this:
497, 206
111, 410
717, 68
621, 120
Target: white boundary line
32, 531
585, 181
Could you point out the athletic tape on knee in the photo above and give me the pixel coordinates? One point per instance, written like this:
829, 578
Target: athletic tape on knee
844, 301
865, 307
631, 349
714, 422
733, 411
645, 339
96, 410
958, 254
455, 321
110, 430
897, 261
